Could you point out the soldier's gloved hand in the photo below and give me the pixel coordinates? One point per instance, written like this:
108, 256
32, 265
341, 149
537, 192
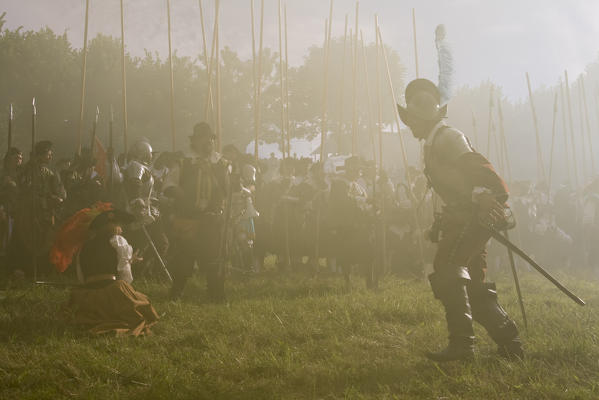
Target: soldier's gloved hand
138, 208
490, 211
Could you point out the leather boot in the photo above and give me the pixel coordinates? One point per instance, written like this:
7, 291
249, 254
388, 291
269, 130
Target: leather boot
487, 311
454, 296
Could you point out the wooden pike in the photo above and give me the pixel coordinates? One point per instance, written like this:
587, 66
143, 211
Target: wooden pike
83, 77
124, 80
368, 98
490, 122
209, 94
11, 118
401, 141
257, 111
172, 80
287, 124
342, 85
475, 131
34, 195
206, 58
92, 147
325, 90
354, 148
281, 83
503, 141
219, 105
583, 145
254, 80
588, 124
571, 125
415, 42
552, 144
571, 177
382, 191
541, 175
379, 100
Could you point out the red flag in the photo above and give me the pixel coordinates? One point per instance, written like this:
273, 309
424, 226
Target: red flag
72, 234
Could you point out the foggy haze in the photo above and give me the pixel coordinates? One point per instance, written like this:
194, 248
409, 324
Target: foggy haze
499, 41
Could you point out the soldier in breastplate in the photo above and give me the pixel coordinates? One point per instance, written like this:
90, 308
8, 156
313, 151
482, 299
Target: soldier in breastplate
474, 197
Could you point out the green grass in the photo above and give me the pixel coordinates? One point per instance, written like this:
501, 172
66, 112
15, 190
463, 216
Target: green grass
298, 337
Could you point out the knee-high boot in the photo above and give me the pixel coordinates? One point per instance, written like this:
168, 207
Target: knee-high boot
450, 289
487, 312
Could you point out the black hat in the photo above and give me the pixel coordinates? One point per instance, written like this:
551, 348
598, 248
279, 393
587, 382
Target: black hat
422, 102
112, 216
201, 130
42, 147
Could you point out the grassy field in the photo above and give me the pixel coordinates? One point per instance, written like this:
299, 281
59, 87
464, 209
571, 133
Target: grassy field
295, 336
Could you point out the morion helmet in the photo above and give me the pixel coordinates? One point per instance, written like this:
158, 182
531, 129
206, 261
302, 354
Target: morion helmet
422, 103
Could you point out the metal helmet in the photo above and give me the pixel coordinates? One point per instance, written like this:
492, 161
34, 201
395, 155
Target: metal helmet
248, 174
422, 102
141, 151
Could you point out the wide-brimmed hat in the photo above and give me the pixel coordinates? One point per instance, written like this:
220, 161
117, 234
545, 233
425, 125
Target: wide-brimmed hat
422, 102
201, 130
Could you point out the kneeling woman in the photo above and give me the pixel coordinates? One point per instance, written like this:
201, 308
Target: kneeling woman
106, 302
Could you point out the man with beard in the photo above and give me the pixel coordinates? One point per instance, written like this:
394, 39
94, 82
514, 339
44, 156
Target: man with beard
474, 197
198, 188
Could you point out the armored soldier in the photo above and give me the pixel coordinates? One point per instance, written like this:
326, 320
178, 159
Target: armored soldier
41, 195
138, 180
198, 187
138, 188
474, 197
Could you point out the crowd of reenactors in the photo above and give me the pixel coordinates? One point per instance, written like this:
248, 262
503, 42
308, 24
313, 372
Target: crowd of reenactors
307, 215
164, 215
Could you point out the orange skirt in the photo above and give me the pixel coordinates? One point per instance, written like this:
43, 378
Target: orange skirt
111, 307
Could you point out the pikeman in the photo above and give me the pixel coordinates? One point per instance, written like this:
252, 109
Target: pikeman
198, 188
474, 197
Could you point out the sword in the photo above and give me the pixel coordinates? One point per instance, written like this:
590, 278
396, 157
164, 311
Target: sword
156, 253
511, 246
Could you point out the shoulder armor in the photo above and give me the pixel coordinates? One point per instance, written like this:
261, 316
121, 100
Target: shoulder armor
450, 144
135, 170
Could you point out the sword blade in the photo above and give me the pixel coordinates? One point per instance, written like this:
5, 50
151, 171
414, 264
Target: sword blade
499, 237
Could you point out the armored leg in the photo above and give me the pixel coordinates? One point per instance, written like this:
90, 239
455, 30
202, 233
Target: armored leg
487, 312
449, 286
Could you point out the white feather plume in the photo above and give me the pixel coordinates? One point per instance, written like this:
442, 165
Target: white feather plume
445, 59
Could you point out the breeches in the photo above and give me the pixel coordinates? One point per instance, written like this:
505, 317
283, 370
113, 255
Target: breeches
463, 245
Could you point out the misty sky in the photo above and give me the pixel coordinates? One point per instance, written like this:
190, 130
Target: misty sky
497, 40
